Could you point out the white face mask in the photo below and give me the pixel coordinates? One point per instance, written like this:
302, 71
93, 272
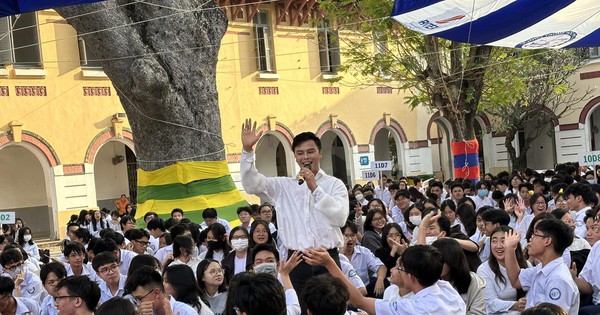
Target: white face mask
430, 239
415, 219
240, 244
27, 238
13, 274
268, 268
359, 197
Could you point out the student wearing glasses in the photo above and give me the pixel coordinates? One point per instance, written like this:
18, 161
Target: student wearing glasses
146, 287
77, 295
106, 264
211, 281
27, 283
10, 304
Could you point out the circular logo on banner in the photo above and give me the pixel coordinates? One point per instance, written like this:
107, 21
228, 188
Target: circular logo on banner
548, 41
555, 294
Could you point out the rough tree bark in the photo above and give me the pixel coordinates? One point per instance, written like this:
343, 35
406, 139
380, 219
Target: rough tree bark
161, 57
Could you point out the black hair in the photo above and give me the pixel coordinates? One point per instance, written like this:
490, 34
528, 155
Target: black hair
7, 285
580, 189
182, 280
265, 247
559, 232
497, 195
93, 222
83, 287
424, 262
448, 203
143, 260
496, 216
219, 233
116, 305
81, 219
136, 234
253, 227
384, 234
369, 219
468, 218
239, 228
455, 259
150, 213
104, 258
125, 219
114, 213
303, 137
105, 245
559, 213
73, 248
545, 309
502, 181
402, 193
244, 208
466, 199
443, 222
406, 215
53, 267
10, 256
325, 295
200, 269
179, 229
493, 262
436, 183
257, 294
176, 210
145, 277
182, 242
72, 224
209, 213
21, 235
349, 225
456, 185
535, 220
156, 223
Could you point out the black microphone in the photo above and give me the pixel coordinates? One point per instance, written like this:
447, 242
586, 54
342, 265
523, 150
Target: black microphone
301, 177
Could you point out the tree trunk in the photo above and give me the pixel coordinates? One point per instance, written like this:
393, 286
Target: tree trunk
162, 62
518, 162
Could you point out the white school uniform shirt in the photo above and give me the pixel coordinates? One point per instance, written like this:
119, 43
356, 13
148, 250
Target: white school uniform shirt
87, 271
385, 196
97, 227
181, 308
552, 283
126, 257
105, 293
223, 222
217, 255
305, 219
153, 244
47, 306
579, 218
292, 304
486, 201
439, 299
32, 250
193, 263
499, 297
365, 263
31, 287
162, 253
590, 272
115, 225
392, 293
350, 272
26, 306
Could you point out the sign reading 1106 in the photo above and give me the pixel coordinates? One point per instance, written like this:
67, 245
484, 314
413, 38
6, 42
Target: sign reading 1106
589, 158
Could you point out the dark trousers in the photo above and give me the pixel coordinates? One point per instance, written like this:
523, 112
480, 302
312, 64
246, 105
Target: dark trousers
304, 271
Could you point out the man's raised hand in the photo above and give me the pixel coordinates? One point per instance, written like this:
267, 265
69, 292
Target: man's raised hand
249, 135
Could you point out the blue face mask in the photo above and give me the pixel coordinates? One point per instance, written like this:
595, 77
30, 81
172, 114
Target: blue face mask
591, 181
482, 193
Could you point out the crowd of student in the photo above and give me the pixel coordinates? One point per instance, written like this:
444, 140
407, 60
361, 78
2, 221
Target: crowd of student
500, 246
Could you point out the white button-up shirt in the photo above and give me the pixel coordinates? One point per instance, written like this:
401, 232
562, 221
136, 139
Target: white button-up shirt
26, 306
47, 306
105, 293
126, 257
365, 263
87, 271
223, 222
439, 299
31, 287
350, 272
162, 253
590, 272
304, 219
580, 227
551, 283
181, 308
499, 297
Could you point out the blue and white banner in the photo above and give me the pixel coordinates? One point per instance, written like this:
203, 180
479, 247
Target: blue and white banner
529, 24
12, 7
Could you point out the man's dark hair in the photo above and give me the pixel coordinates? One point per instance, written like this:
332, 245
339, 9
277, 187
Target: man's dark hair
394, 186
265, 247
303, 137
136, 234
256, 294
72, 224
558, 231
105, 245
73, 248
424, 262
7, 285
244, 208
209, 213
150, 213
526, 185
179, 229
55, 267
83, 287
104, 258
176, 210
443, 221
350, 225
502, 181
10, 256
125, 219
84, 234
436, 184
145, 277
455, 185
580, 189
116, 305
402, 193
156, 223
417, 180
325, 295
496, 216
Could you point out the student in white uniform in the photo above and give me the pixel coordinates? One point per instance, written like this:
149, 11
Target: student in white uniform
146, 287
579, 197
112, 283
420, 268
211, 217
75, 254
500, 296
15, 305
156, 228
77, 295
51, 274
588, 281
549, 281
27, 284
109, 245
180, 283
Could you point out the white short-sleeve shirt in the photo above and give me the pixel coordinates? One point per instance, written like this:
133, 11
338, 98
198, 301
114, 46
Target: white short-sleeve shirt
439, 299
590, 272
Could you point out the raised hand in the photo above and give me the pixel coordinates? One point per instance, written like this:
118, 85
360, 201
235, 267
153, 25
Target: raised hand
520, 209
249, 135
430, 218
511, 240
398, 247
285, 267
317, 257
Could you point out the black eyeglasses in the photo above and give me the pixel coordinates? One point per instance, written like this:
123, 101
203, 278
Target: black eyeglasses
139, 299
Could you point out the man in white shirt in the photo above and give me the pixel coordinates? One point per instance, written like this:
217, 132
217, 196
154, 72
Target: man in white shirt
588, 281
311, 207
579, 199
550, 281
146, 287
211, 217
77, 295
156, 227
15, 305
403, 202
418, 270
109, 245
27, 284
106, 265
481, 197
